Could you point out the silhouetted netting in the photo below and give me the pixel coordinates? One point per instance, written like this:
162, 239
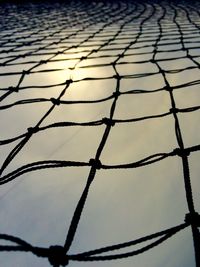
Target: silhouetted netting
122, 50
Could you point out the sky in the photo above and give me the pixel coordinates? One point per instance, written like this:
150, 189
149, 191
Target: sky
122, 204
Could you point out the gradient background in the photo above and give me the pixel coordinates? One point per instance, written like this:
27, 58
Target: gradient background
122, 204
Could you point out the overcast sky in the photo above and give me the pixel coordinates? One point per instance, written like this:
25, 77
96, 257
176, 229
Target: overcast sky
122, 205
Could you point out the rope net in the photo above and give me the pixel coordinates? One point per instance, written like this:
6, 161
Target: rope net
106, 88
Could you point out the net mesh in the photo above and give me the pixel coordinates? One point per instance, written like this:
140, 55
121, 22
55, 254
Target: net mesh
115, 50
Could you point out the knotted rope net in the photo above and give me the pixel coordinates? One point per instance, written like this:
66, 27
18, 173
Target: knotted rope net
70, 67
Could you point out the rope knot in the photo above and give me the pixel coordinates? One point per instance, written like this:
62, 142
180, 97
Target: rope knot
14, 89
95, 163
32, 130
174, 110
57, 256
68, 81
193, 219
108, 121
116, 93
168, 88
26, 72
117, 77
43, 61
181, 152
55, 101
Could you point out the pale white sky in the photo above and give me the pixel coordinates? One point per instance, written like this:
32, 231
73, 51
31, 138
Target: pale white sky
123, 204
